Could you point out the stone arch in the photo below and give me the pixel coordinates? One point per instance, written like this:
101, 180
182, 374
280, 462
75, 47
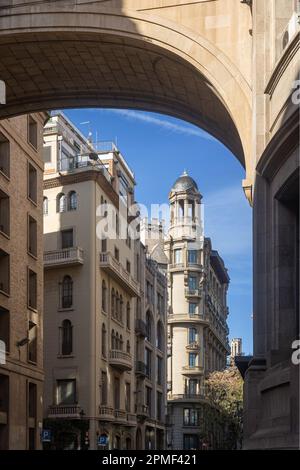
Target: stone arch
190, 78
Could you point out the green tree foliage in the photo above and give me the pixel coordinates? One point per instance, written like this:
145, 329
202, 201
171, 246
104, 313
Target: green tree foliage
224, 415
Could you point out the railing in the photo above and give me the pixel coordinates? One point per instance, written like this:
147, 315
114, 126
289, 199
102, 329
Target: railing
140, 327
106, 411
64, 256
193, 369
120, 359
176, 266
192, 292
142, 410
107, 260
121, 415
193, 346
140, 368
178, 317
187, 396
65, 410
131, 418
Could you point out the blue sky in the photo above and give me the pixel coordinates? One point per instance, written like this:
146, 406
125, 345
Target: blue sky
158, 148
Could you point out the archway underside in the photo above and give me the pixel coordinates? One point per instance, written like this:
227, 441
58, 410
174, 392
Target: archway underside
61, 70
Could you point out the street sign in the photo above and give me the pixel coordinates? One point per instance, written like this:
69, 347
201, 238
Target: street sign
102, 440
46, 435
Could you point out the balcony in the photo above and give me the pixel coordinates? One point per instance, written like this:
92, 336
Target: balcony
65, 411
114, 268
63, 257
106, 413
120, 360
140, 327
192, 370
142, 411
140, 369
192, 292
120, 416
195, 346
187, 317
131, 419
187, 397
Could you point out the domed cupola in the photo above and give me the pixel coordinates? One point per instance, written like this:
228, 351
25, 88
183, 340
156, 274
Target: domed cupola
184, 183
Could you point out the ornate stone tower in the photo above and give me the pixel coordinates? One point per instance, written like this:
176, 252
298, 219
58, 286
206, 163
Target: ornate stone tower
197, 328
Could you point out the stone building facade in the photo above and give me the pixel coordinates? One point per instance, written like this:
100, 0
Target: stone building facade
94, 300
197, 319
21, 281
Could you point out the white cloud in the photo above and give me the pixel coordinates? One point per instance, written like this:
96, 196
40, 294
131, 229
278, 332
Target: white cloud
163, 123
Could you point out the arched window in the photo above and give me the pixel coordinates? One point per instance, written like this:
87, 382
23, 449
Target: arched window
128, 346
113, 340
72, 201
121, 343
160, 336
113, 299
66, 338
45, 206
128, 315
104, 296
117, 342
67, 292
103, 340
149, 326
61, 205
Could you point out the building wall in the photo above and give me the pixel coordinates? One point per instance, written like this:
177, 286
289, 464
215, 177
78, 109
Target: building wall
21, 370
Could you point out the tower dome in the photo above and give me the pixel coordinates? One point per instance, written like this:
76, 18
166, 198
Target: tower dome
184, 183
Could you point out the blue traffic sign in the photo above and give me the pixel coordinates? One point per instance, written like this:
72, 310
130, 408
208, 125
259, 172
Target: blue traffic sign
46, 435
102, 440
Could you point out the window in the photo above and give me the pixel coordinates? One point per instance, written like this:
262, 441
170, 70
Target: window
61, 203
128, 315
4, 272
104, 245
32, 132
148, 359
66, 392
192, 335
192, 359
128, 346
159, 406
149, 400
121, 305
191, 387
127, 397
113, 301
159, 370
32, 342
117, 254
192, 256
113, 340
128, 266
32, 289
148, 326
191, 417
32, 396
4, 155
117, 393
32, 236
103, 388
4, 327
67, 238
192, 308
177, 256
72, 201
4, 213
160, 336
67, 292
104, 296
103, 341
45, 205
32, 183
66, 338
190, 442
192, 282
